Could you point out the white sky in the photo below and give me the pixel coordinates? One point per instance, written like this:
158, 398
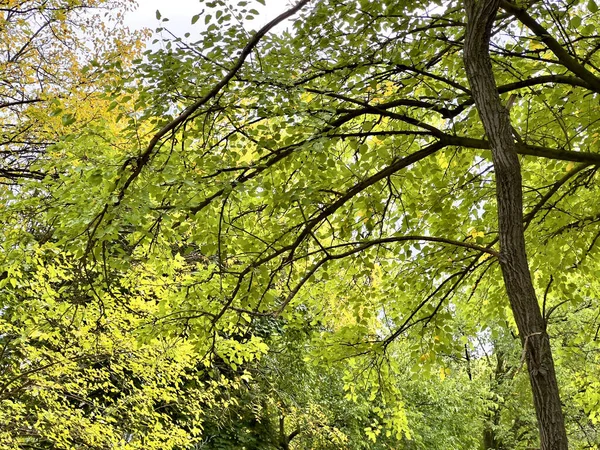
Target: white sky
180, 12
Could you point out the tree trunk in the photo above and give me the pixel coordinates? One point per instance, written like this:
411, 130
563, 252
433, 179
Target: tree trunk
513, 258
490, 438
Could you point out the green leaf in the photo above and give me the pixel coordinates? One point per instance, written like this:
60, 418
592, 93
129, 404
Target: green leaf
67, 119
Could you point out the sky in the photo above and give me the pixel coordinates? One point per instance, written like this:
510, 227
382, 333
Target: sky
180, 12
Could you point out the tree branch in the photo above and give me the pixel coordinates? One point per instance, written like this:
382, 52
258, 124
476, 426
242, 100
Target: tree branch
555, 47
144, 158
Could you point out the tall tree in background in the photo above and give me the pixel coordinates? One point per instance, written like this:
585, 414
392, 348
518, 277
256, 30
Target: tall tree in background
45, 47
333, 181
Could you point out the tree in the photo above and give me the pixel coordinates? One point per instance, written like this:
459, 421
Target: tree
45, 62
509, 196
336, 177
280, 252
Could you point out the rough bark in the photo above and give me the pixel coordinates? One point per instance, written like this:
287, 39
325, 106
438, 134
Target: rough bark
513, 258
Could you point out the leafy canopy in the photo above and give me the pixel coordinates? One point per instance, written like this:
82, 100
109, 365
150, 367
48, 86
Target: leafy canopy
289, 237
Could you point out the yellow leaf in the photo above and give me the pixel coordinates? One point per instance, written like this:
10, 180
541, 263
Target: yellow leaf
475, 234
536, 45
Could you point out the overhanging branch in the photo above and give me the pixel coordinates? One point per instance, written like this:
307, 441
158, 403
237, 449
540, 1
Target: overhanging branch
555, 47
